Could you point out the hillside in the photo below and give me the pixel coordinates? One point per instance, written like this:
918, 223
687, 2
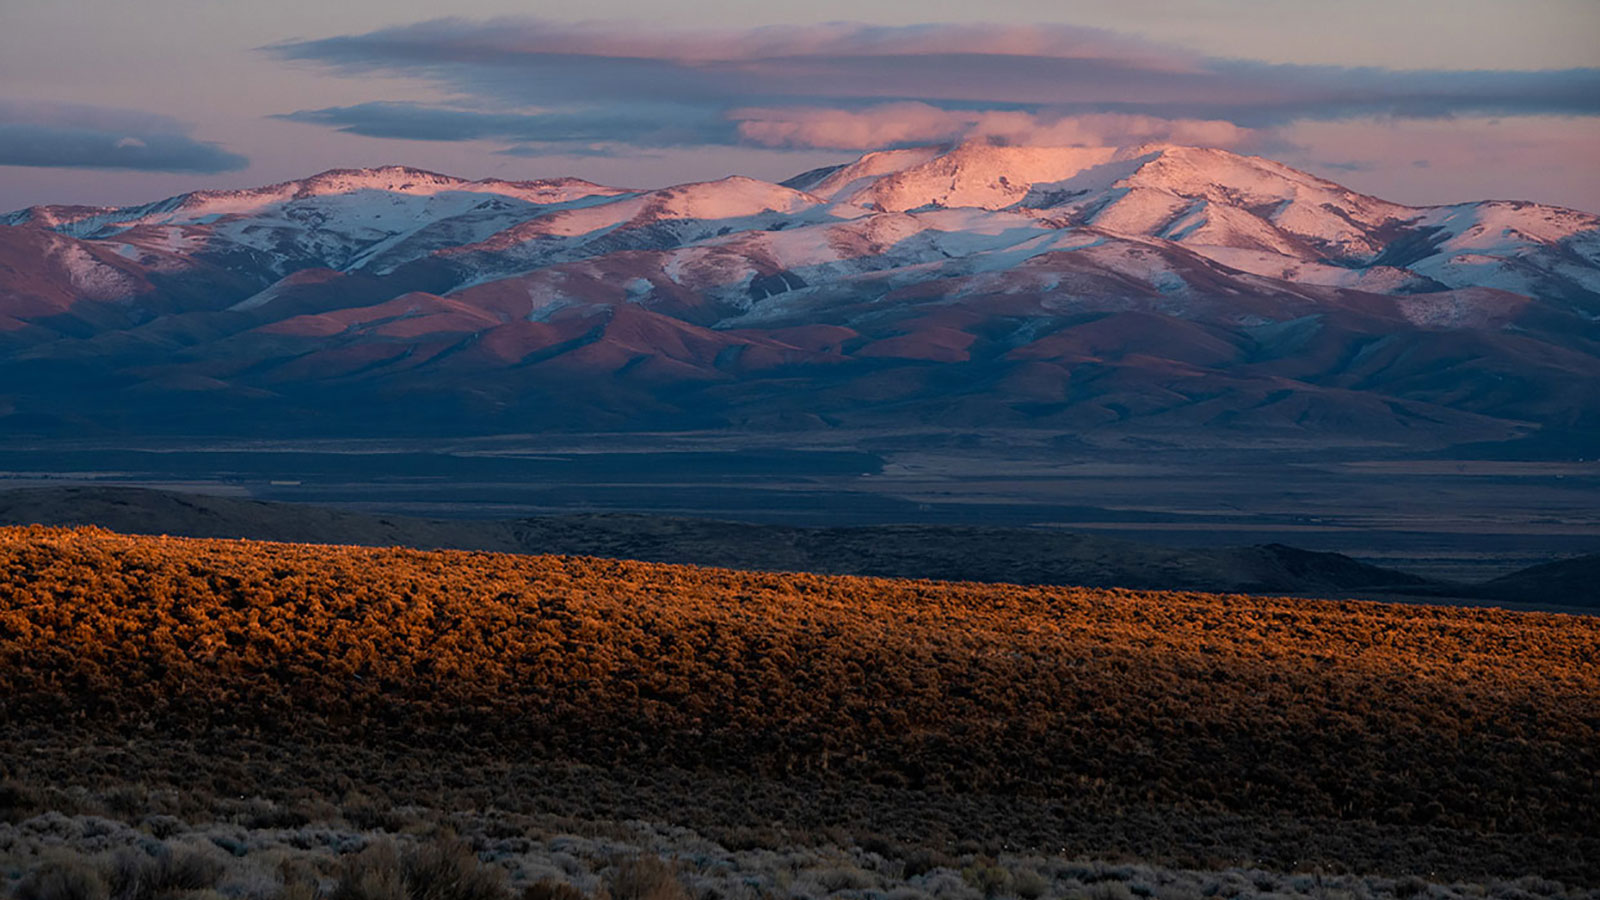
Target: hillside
1578, 576
1304, 735
1128, 291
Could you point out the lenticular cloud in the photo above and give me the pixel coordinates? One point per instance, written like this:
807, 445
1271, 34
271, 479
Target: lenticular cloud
856, 87
57, 135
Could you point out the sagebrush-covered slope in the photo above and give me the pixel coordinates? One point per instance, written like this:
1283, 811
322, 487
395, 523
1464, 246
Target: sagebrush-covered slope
1446, 721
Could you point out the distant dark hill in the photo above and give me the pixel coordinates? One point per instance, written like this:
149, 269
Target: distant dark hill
1575, 581
949, 553
142, 511
1335, 571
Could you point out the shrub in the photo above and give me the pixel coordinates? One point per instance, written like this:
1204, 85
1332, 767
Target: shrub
18, 801
924, 860
883, 846
446, 869
1029, 884
1410, 886
372, 874
550, 889
299, 878
990, 879
164, 826
135, 875
646, 878
842, 878
63, 880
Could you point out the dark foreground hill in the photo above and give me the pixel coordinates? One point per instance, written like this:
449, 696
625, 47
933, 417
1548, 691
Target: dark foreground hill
952, 553
175, 676
946, 552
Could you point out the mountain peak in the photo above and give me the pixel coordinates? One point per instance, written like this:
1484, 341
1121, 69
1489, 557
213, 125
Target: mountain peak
1194, 170
394, 178
984, 174
989, 175
970, 174
732, 196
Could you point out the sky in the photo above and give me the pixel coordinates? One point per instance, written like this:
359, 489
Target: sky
111, 102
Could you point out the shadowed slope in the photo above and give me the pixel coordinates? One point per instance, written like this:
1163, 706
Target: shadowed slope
958, 553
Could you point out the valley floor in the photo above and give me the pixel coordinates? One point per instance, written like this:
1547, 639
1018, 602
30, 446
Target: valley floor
1465, 514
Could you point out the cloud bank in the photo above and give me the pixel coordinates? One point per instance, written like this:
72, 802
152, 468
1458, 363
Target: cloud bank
896, 124
653, 125
86, 137
537, 84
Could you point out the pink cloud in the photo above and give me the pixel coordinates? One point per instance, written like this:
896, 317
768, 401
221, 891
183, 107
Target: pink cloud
905, 123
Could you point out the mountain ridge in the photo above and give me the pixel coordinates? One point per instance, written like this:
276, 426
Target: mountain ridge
1063, 288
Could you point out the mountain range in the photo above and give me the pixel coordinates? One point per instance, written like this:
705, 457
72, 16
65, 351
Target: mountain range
1170, 291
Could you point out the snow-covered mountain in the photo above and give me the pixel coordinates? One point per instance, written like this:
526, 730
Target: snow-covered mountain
1072, 288
344, 219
